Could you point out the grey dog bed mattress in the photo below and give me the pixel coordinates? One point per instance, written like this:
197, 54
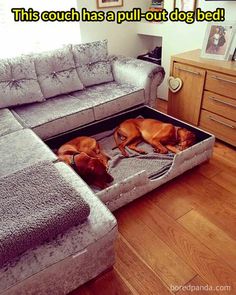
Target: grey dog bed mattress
139, 174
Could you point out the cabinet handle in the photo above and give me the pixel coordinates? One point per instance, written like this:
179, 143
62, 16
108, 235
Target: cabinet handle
189, 71
223, 102
221, 122
222, 79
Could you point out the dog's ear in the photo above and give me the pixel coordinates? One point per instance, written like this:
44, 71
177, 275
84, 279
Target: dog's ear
81, 161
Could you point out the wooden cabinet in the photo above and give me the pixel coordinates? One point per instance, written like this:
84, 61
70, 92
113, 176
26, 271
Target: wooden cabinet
186, 103
208, 96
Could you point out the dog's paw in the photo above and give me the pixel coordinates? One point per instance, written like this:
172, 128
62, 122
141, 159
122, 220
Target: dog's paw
125, 154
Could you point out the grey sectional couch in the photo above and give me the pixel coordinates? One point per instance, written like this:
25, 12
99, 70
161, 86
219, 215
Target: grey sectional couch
42, 96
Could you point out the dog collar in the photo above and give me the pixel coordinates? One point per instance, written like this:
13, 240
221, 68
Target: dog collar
73, 165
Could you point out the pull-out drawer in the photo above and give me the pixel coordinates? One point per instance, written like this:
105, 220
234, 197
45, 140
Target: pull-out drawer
138, 174
220, 83
223, 128
220, 105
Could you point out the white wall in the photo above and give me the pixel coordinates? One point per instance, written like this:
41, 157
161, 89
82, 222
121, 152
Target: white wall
122, 38
180, 37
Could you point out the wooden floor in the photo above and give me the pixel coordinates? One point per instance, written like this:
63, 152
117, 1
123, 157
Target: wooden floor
181, 234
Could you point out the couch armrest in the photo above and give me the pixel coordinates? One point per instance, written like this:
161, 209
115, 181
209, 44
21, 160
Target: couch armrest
139, 73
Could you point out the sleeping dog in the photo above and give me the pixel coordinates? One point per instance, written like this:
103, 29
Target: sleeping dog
84, 155
161, 136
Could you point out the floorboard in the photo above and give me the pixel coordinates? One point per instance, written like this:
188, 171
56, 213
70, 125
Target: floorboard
163, 260
136, 271
183, 234
203, 261
211, 236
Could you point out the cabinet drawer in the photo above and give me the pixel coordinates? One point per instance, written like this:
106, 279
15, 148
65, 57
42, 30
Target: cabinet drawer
221, 84
220, 105
223, 128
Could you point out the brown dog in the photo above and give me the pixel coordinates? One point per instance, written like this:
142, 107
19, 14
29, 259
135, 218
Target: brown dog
84, 144
161, 136
84, 155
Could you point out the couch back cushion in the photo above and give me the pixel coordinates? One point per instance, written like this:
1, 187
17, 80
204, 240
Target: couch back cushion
92, 64
18, 82
56, 72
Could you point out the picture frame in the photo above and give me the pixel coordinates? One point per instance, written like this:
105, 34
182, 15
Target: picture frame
156, 4
109, 3
185, 5
217, 40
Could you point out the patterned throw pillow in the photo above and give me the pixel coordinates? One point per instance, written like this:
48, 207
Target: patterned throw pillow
92, 64
18, 82
56, 72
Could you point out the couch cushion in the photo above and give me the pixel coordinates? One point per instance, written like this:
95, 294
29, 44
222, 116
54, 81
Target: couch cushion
56, 72
18, 82
66, 112
8, 122
56, 115
92, 64
39, 188
111, 98
100, 224
21, 149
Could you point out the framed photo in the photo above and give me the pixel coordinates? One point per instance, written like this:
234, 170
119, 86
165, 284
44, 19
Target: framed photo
185, 5
109, 3
217, 41
157, 4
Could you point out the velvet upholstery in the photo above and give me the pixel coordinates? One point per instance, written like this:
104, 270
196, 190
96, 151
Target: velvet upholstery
56, 72
92, 63
22, 149
71, 258
18, 82
8, 122
143, 74
67, 112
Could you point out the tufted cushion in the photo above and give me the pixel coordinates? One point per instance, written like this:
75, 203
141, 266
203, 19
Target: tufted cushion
18, 82
56, 72
92, 64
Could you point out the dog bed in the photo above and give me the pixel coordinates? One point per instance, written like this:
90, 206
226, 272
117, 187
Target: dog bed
133, 178
121, 167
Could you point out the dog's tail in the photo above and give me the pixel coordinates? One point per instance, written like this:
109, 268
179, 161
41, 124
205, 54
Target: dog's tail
116, 137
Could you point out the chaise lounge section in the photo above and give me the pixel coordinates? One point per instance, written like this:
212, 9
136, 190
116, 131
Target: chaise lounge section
62, 264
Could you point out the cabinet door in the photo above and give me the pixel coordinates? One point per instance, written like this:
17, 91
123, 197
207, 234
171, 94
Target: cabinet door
186, 103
